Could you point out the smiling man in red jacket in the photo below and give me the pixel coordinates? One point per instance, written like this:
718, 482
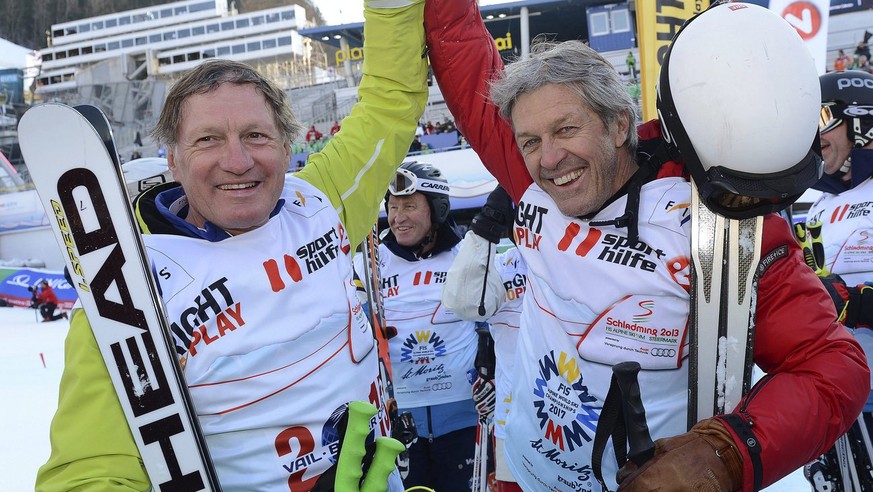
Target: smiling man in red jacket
560, 139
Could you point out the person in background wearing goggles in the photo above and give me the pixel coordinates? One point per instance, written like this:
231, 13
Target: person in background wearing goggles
843, 217
432, 355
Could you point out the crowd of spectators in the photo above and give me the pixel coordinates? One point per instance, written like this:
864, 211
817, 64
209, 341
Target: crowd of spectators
429, 128
315, 140
860, 59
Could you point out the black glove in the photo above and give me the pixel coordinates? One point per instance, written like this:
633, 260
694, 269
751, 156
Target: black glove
495, 219
854, 304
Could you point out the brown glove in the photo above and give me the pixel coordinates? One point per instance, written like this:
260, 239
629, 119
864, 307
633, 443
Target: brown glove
703, 459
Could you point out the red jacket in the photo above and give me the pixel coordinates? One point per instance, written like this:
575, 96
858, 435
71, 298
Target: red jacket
46, 294
312, 134
817, 378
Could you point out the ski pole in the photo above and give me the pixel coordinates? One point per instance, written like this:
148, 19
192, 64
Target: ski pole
818, 253
485, 363
640, 442
351, 455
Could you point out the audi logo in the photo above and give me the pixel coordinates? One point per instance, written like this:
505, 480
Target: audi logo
441, 386
663, 352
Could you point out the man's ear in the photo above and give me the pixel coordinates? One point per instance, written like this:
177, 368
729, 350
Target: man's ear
622, 126
171, 161
287, 147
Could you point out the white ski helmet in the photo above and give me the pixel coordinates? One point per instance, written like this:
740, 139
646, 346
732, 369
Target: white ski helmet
739, 98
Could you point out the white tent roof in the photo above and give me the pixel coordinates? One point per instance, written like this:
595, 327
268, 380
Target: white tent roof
12, 55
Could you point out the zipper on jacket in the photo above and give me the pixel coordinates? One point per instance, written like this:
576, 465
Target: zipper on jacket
755, 389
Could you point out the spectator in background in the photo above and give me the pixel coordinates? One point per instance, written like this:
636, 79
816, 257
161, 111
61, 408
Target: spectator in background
864, 64
845, 264
432, 355
429, 128
48, 302
313, 135
861, 50
415, 146
449, 125
486, 286
335, 128
634, 91
631, 62
842, 61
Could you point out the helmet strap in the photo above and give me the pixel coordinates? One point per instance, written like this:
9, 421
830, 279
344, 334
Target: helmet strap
844, 168
428, 240
858, 136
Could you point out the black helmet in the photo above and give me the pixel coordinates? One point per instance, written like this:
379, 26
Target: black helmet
848, 96
413, 177
743, 122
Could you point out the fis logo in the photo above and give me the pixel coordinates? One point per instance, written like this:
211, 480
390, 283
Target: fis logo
422, 347
567, 414
683, 209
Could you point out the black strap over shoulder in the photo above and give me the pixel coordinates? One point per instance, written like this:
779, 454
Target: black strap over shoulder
610, 424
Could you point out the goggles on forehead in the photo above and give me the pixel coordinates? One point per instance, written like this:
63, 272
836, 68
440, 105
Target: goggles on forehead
405, 182
827, 119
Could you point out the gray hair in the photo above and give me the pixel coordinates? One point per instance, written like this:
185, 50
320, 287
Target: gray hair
581, 69
206, 78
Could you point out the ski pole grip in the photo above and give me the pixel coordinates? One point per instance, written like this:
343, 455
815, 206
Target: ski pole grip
641, 446
387, 450
349, 471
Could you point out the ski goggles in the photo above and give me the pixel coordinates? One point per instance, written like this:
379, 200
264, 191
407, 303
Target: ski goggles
827, 119
405, 182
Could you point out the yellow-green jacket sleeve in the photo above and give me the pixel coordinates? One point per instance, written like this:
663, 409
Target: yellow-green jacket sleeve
92, 448
355, 168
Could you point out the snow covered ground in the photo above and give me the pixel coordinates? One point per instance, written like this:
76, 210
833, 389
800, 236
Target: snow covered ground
31, 362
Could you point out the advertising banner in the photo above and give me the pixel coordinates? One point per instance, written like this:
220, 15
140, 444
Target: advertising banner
21, 210
14, 284
657, 22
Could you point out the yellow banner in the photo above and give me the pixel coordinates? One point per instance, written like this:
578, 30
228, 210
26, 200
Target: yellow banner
657, 22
